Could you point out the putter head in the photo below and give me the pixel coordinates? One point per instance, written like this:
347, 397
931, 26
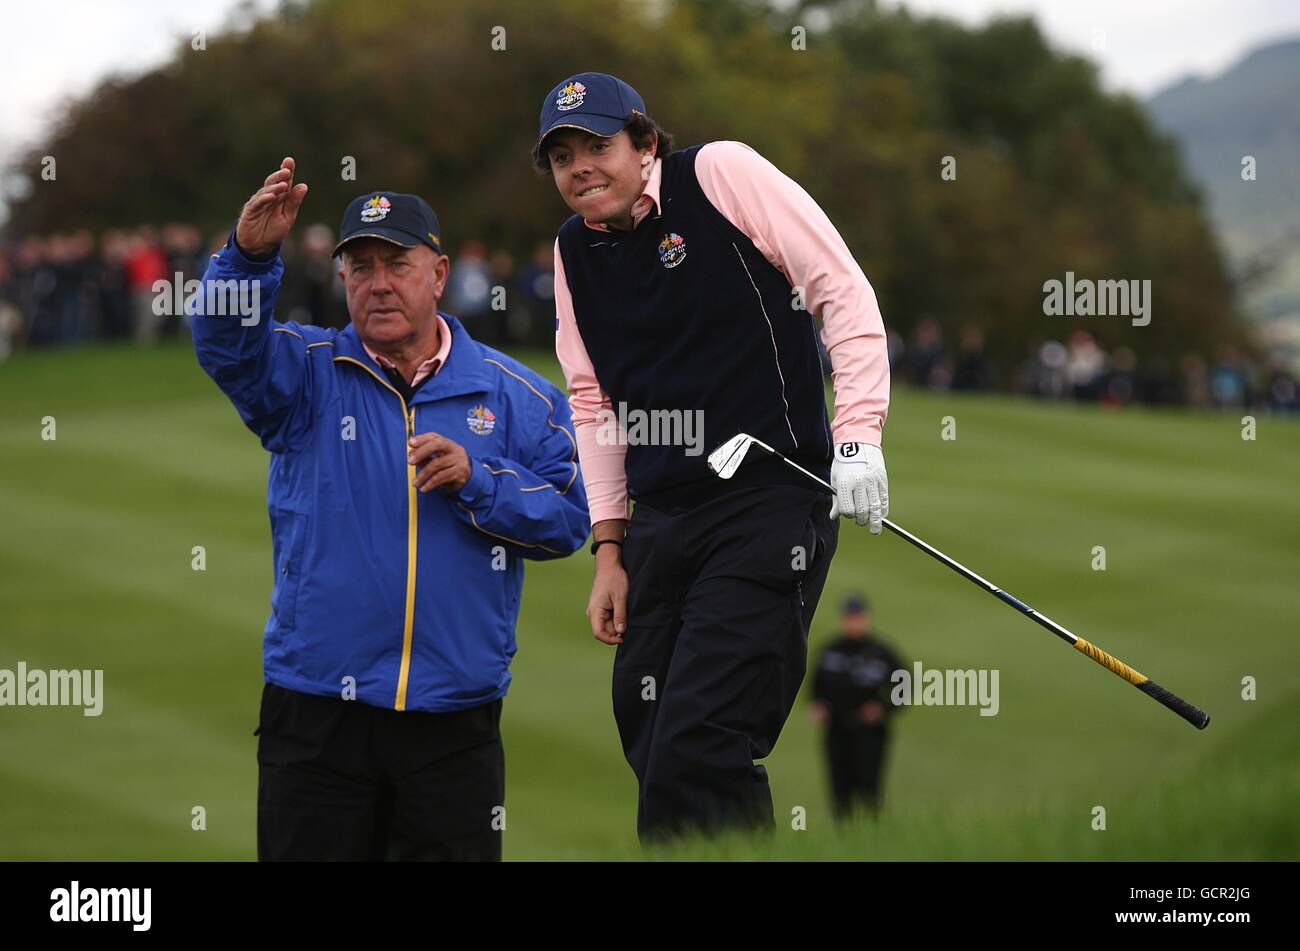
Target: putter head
726, 459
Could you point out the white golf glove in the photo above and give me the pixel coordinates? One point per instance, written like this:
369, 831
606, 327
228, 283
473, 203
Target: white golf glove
861, 484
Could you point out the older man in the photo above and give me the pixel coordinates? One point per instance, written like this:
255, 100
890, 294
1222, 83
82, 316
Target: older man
412, 470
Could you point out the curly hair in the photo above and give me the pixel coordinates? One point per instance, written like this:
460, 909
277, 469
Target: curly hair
640, 127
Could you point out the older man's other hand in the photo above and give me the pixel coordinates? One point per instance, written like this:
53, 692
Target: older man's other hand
448, 465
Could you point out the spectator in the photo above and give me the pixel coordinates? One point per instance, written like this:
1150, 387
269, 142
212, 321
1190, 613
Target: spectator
312, 292
469, 288
114, 295
1283, 393
501, 273
925, 355
36, 280
1119, 386
183, 247
10, 316
533, 322
974, 371
1084, 366
1049, 370
146, 264
1230, 383
1195, 380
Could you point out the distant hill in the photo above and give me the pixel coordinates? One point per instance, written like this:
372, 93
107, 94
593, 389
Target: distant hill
1253, 108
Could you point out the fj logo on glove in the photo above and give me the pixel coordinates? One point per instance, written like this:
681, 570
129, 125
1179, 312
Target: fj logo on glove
860, 484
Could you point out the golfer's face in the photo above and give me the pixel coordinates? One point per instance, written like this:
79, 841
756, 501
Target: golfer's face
392, 291
598, 177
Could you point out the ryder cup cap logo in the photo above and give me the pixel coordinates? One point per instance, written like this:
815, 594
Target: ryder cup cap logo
375, 210
481, 420
570, 97
672, 250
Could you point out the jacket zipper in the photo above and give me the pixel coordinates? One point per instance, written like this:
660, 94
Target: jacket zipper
412, 532
412, 524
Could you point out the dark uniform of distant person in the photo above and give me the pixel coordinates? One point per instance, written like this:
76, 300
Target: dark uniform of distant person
412, 470
851, 688
687, 286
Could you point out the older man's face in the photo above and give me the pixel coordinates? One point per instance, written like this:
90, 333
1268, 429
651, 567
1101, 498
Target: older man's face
392, 292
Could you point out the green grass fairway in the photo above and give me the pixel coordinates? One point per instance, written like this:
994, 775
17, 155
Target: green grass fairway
1202, 589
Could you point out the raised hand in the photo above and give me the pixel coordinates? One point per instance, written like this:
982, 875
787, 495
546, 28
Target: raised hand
269, 215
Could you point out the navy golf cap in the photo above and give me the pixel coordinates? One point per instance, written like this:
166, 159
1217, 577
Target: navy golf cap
593, 102
854, 604
402, 219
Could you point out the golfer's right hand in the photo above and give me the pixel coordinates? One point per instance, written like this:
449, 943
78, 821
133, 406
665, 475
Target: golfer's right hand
271, 212
607, 609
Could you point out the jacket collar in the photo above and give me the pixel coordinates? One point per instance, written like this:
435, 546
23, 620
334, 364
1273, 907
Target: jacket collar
464, 372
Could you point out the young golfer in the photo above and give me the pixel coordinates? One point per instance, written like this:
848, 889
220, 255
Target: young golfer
686, 285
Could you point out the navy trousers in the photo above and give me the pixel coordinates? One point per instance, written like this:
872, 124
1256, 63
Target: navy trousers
721, 597
340, 780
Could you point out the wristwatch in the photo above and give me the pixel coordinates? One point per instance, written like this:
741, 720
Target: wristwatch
606, 541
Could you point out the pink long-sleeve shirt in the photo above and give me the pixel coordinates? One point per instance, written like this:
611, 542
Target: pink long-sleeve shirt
794, 234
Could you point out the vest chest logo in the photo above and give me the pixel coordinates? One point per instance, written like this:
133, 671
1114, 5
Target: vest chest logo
571, 96
672, 250
481, 420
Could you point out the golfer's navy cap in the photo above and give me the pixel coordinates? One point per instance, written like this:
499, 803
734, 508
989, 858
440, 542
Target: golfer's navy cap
593, 102
402, 219
854, 604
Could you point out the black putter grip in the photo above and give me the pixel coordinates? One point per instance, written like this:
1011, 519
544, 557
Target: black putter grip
1192, 714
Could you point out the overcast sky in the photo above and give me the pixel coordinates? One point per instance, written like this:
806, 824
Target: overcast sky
57, 48
1142, 45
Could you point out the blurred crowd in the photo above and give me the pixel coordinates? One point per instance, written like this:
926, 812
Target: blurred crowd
1080, 369
74, 287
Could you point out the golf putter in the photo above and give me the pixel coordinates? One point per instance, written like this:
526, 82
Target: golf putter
726, 459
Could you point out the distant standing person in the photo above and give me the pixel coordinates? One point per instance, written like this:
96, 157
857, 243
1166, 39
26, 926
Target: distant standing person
851, 702
469, 288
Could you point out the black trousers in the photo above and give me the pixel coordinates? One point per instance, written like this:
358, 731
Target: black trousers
856, 758
340, 780
720, 600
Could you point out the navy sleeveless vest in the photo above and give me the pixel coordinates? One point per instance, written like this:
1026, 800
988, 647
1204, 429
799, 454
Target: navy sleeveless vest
684, 313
